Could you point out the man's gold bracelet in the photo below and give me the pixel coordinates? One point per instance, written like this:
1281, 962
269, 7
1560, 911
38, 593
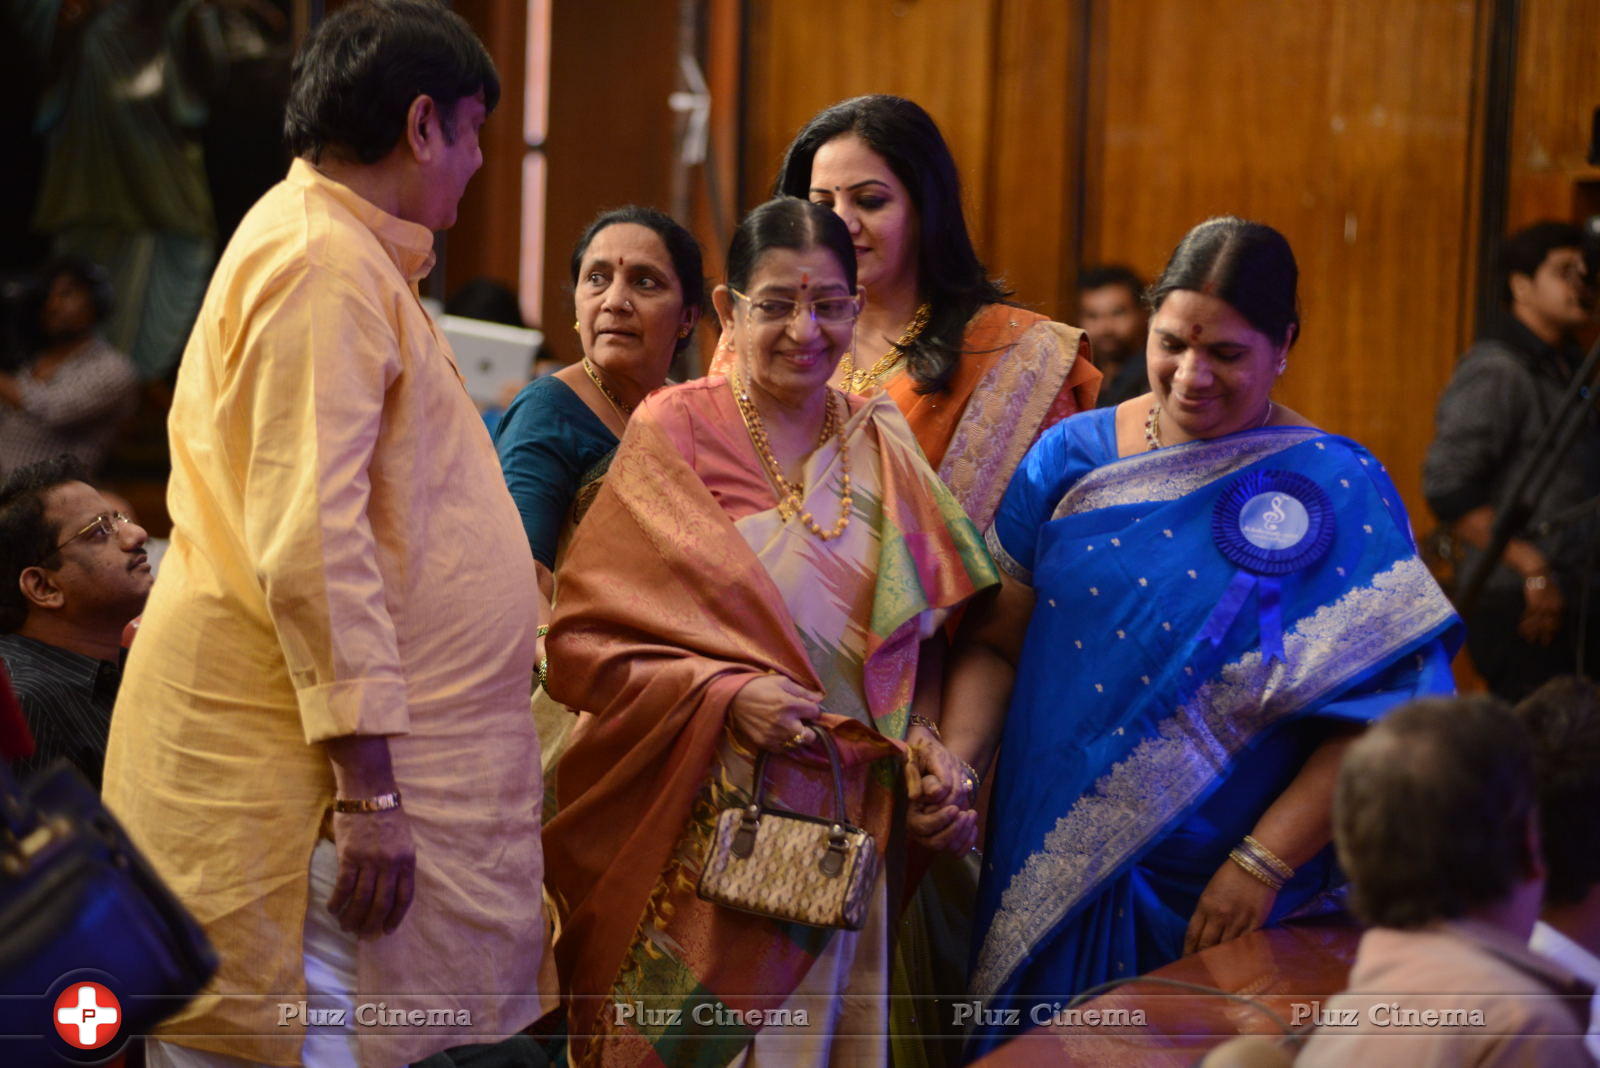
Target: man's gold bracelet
381, 803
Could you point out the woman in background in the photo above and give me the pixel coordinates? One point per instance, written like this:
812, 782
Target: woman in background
76, 389
638, 293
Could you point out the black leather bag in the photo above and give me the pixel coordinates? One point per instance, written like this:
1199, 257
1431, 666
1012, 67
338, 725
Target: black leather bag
78, 901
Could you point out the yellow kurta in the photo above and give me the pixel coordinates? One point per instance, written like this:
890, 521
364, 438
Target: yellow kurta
345, 559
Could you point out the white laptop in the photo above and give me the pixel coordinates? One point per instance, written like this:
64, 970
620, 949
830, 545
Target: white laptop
490, 355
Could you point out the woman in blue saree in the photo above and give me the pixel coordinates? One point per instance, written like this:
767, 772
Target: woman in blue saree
1205, 599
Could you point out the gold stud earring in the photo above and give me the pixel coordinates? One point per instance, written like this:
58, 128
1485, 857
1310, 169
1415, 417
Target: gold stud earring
577, 326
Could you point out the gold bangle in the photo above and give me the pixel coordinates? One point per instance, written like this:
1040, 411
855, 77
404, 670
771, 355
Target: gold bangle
1252, 867
926, 724
544, 672
381, 803
1253, 846
541, 630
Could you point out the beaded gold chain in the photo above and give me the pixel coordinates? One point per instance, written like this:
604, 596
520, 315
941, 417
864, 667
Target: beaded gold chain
623, 410
856, 381
792, 494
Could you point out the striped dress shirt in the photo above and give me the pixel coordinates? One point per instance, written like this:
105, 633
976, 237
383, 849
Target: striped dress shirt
66, 698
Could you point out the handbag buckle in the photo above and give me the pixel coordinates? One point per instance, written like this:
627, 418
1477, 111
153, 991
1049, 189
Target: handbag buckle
832, 862
744, 839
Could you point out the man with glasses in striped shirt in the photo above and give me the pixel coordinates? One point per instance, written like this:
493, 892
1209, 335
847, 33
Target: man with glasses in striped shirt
73, 572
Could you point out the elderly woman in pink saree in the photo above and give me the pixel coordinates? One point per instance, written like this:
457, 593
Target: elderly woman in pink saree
765, 561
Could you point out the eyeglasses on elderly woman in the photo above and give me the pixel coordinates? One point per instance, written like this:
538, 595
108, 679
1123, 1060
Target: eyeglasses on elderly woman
770, 311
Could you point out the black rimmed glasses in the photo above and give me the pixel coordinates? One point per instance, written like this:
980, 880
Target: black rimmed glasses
771, 311
105, 524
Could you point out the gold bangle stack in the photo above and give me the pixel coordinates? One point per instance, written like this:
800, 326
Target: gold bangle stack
926, 724
1278, 865
1261, 862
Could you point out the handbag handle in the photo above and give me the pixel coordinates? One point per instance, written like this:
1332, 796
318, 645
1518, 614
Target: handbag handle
833, 860
832, 750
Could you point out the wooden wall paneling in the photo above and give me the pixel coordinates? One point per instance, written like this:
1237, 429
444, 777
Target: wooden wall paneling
803, 57
717, 210
1345, 126
715, 199
1558, 88
941, 53
485, 240
1477, 147
1035, 154
610, 140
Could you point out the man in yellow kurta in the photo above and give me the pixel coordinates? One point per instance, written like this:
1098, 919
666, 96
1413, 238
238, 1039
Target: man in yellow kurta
323, 732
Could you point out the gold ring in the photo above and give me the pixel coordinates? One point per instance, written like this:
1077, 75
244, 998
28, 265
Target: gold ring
797, 740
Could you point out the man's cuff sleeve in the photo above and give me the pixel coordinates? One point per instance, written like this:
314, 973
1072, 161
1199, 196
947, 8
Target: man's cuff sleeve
360, 706
1454, 504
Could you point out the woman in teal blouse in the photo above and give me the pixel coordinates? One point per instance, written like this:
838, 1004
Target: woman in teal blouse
638, 291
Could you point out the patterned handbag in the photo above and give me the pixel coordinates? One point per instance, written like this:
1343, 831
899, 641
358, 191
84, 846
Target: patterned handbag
790, 866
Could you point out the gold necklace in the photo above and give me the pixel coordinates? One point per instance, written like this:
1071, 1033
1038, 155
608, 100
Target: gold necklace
792, 494
856, 381
623, 410
1152, 425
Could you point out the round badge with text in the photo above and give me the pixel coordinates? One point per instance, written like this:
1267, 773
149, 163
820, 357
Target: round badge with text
1272, 522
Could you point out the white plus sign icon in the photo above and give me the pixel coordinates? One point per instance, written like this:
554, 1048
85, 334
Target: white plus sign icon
87, 1015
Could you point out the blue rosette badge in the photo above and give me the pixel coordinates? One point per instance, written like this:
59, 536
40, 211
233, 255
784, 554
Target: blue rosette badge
1268, 524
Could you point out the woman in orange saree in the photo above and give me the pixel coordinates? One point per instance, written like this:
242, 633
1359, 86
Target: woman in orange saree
765, 560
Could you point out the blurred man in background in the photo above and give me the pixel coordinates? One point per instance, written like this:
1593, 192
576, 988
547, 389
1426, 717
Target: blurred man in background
1111, 311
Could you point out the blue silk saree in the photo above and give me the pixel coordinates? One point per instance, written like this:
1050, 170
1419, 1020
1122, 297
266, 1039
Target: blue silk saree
1180, 665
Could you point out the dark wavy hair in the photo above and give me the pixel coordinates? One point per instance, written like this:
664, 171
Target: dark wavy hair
788, 222
90, 275
1563, 719
1247, 264
1111, 274
950, 277
355, 78
1524, 252
27, 539
1431, 811
687, 262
